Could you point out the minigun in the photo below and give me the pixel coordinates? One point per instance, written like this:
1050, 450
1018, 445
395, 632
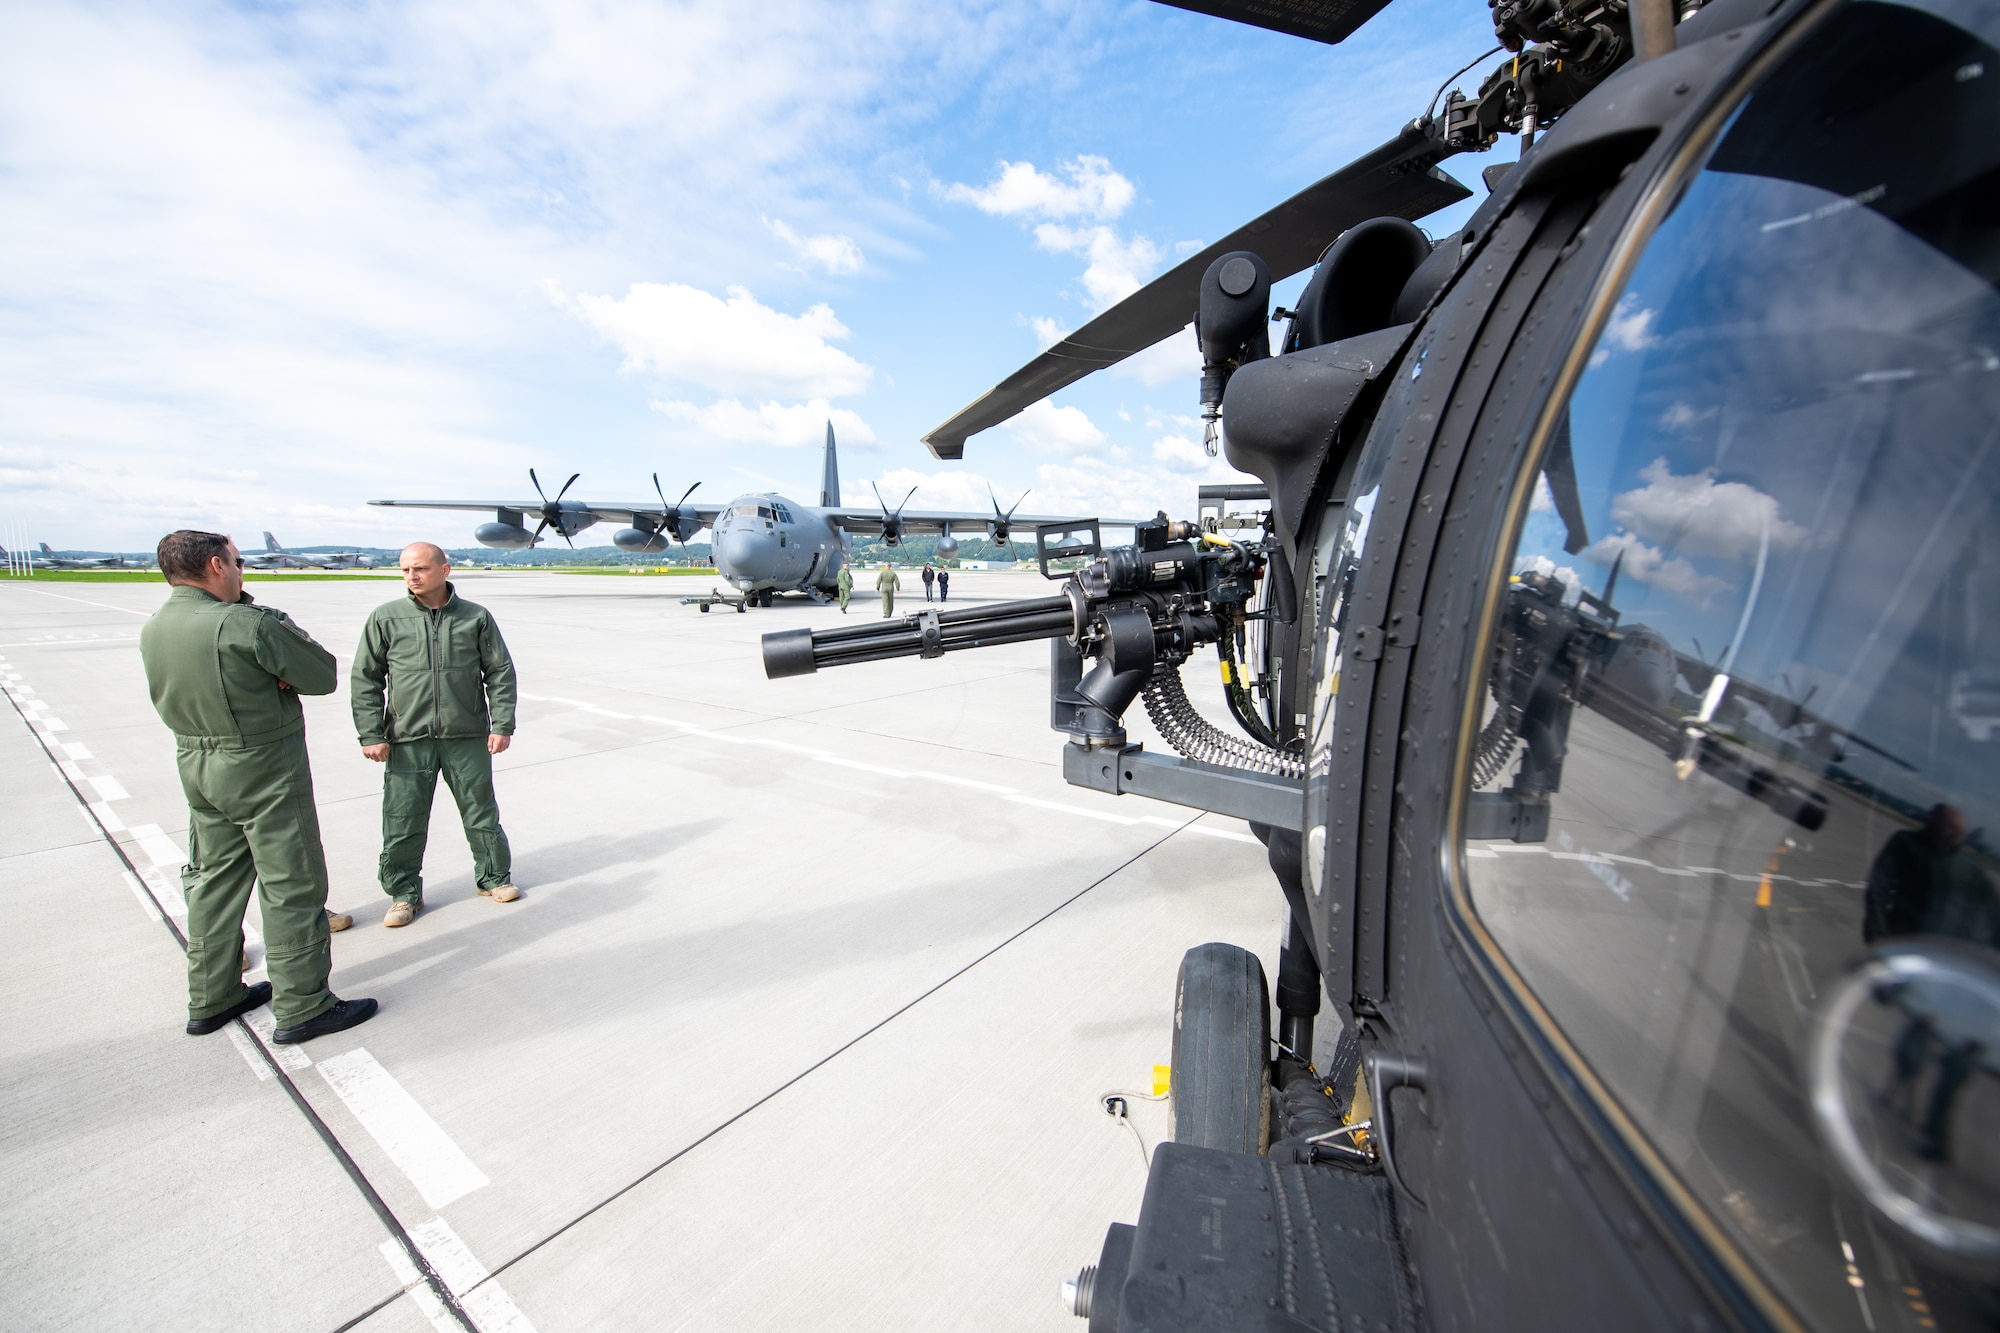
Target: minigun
1135, 614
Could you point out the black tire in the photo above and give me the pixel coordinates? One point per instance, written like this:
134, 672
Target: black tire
1221, 1089
704, 608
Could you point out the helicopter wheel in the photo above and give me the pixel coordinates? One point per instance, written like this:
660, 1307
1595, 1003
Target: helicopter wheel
704, 608
1221, 1089
741, 605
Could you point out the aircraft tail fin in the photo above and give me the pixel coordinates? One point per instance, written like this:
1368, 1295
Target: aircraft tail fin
271, 543
47, 552
829, 484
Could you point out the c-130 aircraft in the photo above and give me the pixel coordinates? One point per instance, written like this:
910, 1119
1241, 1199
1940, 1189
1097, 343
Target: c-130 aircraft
764, 543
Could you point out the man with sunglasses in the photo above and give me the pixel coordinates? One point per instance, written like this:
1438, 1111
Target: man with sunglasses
226, 675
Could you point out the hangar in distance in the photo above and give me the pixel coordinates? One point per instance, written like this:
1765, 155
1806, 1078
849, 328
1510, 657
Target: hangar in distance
764, 543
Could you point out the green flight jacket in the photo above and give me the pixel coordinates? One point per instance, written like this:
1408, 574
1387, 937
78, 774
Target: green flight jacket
442, 671
213, 669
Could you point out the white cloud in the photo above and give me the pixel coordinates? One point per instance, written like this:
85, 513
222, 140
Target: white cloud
791, 425
738, 345
1175, 360
1703, 516
1118, 266
1084, 186
835, 254
1044, 428
1630, 329
1047, 332
1571, 580
1649, 564
934, 490
1544, 501
1680, 416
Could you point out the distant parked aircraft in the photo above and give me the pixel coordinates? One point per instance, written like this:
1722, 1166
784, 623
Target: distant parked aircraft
275, 556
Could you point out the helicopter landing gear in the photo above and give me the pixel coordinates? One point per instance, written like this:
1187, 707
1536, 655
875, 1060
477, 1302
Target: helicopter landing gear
1221, 1090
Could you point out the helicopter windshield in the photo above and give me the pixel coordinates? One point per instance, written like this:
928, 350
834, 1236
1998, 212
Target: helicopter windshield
1747, 690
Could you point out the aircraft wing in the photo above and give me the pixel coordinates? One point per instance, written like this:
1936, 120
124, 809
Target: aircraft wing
923, 521
1321, 20
1398, 179
619, 512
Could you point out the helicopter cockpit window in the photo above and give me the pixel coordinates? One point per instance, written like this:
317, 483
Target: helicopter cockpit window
1741, 718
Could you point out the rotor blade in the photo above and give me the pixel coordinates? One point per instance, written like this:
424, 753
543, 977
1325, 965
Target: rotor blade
662, 494
878, 498
537, 534
906, 501
538, 486
684, 497
1398, 179
1321, 20
1017, 504
566, 485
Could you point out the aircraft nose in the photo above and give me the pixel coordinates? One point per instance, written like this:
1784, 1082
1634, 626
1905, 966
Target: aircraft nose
747, 555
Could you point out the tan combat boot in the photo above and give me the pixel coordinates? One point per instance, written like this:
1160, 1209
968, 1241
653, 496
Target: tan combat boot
501, 893
400, 914
338, 920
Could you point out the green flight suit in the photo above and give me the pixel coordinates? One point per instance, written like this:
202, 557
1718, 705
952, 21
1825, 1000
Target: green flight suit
844, 582
887, 583
239, 742
449, 684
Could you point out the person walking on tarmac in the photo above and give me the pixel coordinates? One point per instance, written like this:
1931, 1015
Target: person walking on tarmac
225, 675
944, 585
844, 583
888, 585
449, 686
930, 577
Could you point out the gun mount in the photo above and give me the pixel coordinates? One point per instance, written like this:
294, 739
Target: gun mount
1135, 614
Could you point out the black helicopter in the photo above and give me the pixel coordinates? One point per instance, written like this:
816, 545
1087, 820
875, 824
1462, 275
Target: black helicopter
1621, 990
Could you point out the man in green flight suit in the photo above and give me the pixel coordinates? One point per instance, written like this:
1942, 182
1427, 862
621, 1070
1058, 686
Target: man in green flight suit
844, 582
449, 683
887, 584
226, 676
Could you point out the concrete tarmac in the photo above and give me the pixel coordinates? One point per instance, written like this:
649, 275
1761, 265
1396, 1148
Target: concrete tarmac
800, 1021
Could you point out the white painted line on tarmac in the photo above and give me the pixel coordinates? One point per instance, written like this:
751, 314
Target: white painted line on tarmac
248, 1050
261, 1023
103, 606
166, 890
856, 763
466, 1278
139, 892
1104, 815
109, 788
437, 1166
957, 781
107, 817
161, 849
488, 1306
77, 750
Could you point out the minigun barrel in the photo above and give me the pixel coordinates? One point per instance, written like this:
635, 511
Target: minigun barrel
800, 652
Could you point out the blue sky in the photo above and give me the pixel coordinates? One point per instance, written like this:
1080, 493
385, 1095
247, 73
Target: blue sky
261, 264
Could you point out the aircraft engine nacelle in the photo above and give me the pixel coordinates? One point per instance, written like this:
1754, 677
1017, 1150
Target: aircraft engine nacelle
997, 532
507, 536
639, 541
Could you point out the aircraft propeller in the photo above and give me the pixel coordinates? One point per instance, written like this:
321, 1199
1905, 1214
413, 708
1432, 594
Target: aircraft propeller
1002, 524
892, 523
552, 509
670, 514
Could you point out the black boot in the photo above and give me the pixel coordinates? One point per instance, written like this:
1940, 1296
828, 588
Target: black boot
344, 1015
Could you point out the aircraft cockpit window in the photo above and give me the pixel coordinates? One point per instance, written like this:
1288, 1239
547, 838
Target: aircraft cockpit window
1740, 723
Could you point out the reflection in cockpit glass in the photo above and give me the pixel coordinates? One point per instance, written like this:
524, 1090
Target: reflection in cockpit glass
1741, 713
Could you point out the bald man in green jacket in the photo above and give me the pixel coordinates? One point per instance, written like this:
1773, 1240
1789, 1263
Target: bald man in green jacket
226, 676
